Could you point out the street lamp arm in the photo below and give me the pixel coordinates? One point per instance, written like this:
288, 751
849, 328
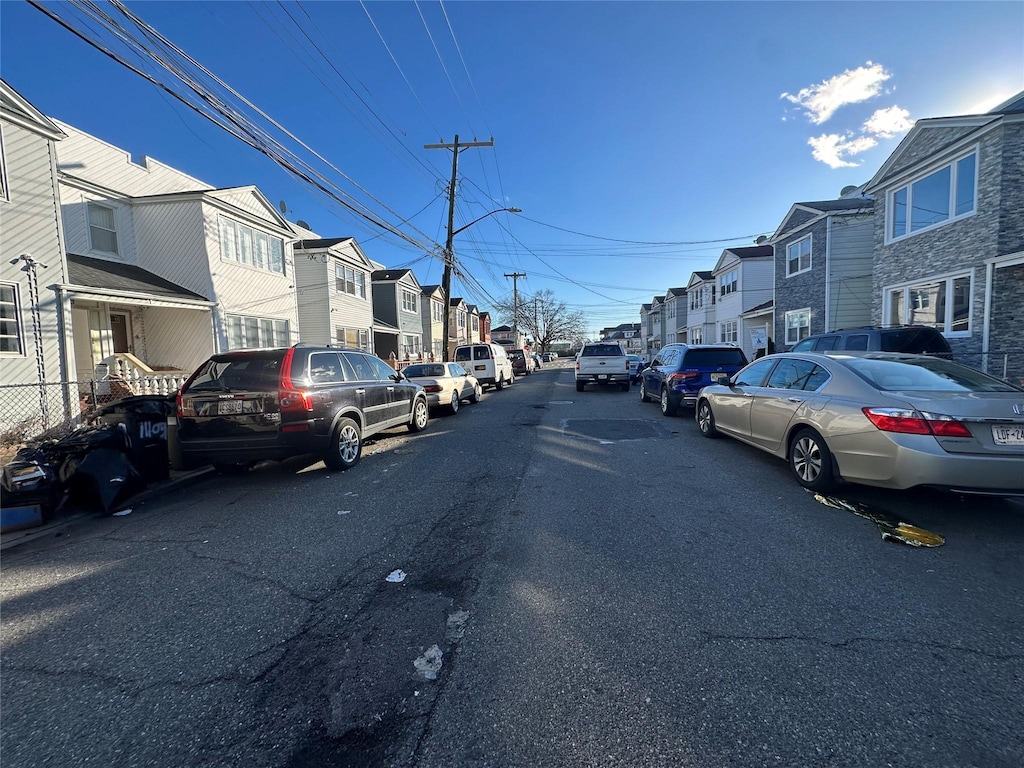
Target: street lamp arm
474, 221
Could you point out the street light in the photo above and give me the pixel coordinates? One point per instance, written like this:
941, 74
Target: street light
449, 262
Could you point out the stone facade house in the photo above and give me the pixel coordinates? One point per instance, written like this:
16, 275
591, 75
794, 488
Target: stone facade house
949, 235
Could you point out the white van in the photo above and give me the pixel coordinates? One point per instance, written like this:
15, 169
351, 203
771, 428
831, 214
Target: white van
488, 362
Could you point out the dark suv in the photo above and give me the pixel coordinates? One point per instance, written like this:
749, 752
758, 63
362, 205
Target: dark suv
679, 371
242, 407
913, 339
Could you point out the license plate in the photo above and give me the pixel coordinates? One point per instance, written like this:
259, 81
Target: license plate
230, 406
1008, 435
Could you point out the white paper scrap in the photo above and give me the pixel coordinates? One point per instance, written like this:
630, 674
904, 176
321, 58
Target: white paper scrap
429, 664
344, 511
396, 576
123, 512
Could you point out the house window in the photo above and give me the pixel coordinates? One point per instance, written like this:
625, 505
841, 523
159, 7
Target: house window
245, 332
943, 195
350, 281
474, 323
798, 325
730, 282
696, 335
728, 332
250, 246
102, 229
462, 320
437, 311
798, 256
671, 310
10, 320
410, 345
944, 304
359, 338
409, 301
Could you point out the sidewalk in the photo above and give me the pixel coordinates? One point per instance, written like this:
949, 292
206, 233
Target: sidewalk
69, 517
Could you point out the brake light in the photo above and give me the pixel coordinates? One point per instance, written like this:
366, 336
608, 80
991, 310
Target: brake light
177, 402
916, 422
683, 376
432, 388
290, 397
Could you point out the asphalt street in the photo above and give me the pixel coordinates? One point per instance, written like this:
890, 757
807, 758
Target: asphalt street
547, 578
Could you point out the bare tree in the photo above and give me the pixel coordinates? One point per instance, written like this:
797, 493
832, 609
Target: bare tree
545, 318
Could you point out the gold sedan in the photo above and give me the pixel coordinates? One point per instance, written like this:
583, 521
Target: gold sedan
446, 384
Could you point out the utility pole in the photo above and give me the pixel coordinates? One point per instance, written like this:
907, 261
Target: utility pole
449, 252
515, 303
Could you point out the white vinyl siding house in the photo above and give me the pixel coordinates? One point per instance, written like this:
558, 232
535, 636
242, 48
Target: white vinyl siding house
743, 277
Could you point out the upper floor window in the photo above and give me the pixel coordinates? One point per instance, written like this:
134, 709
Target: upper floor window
10, 320
474, 323
409, 301
351, 281
246, 245
944, 304
102, 228
672, 309
729, 332
246, 332
696, 299
798, 325
941, 196
730, 282
798, 256
437, 311
461, 319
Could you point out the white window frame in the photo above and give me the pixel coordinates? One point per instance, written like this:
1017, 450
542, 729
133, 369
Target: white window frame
809, 239
730, 283
797, 313
350, 281
949, 280
409, 303
410, 345
261, 327
729, 332
436, 311
953, 165
696, 335
361, 337
15, 319
91, 206
242, 248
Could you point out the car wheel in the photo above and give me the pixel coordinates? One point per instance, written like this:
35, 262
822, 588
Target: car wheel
346, 446
625, 386
420, 417
668, 408
811, 461
706, 419
500, 383
580, 386
643, 392
477, 391
454, 404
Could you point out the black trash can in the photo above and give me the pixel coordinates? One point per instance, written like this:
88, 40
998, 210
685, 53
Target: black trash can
145, 420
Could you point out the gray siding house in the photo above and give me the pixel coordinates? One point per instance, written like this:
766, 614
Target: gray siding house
949, 235
824, 255
397, 323
333, 296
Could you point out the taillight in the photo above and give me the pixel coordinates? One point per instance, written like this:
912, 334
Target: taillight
916, 422
432, 388
679, 376
290, 397
177, 401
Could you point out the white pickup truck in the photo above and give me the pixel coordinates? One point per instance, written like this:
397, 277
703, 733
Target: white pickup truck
602, 362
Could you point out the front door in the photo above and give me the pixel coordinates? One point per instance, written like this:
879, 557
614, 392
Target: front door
121, 331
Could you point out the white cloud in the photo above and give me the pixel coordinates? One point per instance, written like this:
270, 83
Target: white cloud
833, 149
889, 122
850, 87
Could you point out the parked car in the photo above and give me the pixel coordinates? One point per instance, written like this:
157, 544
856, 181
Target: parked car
547, 357
875, 418
536, 362
636, 364
602, 363
246, 406
678, 371
522, 363
446, 384
488, 362
912, 339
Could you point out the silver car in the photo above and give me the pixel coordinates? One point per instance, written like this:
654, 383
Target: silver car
446, 384
875, 418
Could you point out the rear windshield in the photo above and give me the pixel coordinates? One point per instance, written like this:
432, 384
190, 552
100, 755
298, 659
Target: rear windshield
516, 354
931, 374
601, 350
708, 358
914, 341
255, 372
416, 371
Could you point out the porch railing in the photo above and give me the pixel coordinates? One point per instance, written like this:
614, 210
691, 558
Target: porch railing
123, 371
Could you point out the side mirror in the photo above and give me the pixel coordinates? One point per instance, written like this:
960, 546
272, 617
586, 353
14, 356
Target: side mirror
398, 376
720, 378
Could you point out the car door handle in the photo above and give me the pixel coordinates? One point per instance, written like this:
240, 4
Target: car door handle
391, 389
795, 399
747, 394
360, 391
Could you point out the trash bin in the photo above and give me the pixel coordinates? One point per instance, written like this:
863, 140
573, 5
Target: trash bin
145, 420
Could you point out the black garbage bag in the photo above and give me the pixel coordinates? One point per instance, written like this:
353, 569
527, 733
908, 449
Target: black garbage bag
28, 481
157, 405
102, 477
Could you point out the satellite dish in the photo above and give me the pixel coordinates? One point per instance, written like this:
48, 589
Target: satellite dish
302, 224
760, 239
283, 207
847, 190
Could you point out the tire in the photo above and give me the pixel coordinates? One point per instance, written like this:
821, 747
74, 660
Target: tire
580, 386
420, 416
668, 408
643, 392
500, 383
346, 445
625, 386
811, 461
706, 419
453, 406
477, 392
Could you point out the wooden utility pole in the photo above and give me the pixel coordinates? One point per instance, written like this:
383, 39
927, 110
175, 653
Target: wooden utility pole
449, 252
515, 303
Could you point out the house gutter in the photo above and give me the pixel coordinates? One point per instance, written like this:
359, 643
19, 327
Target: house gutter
92, 293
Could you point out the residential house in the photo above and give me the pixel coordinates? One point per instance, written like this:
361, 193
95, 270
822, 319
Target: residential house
646, 331
432, 317
654, 327
212, 268
507, 337
628, 334
675, 315
949, 235
743, 280
824, 254
485, 327
700, 311
333, 292
458, 323
473, 322
35, 319
397, 323
757, 317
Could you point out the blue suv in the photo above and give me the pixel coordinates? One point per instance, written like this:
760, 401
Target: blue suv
679, 371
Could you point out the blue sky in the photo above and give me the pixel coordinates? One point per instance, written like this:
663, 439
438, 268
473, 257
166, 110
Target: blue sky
630, 133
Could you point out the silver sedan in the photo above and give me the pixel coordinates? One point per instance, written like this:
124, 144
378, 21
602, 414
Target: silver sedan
446, 384
881, 419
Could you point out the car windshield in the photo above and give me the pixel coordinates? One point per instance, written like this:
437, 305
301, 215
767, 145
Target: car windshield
516, 354
708, 358
925, 374
912, 340
418, 371
250, 373
601, 350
